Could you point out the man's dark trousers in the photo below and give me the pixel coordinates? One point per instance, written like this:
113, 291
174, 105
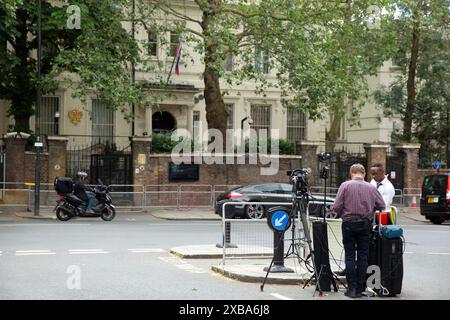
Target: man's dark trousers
355, 234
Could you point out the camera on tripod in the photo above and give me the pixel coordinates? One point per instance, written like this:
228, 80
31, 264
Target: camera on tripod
299, 180
325, 157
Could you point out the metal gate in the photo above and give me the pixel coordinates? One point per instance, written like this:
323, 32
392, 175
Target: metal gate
395, 171
340, 166
102, 161
112, 168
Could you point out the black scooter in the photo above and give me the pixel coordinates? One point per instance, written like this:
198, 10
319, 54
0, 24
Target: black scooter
69, 205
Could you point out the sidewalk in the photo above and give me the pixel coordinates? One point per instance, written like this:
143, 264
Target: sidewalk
411, 214
184, 214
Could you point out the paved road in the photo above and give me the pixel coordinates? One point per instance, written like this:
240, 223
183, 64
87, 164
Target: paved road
129, 258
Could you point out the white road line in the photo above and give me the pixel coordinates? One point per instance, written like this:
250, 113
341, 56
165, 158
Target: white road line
408, 252
439, 253
33, 252
183, 265
87, 251
279, 296
146, 250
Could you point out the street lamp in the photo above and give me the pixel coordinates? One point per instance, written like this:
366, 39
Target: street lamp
250, 121
57, 116
38, 144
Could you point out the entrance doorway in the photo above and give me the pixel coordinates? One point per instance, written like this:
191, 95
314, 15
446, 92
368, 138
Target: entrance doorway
162, 122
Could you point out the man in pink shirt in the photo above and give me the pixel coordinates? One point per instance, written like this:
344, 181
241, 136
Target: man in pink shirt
355, 203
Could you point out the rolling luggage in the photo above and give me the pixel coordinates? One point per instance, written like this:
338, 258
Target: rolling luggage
387, 254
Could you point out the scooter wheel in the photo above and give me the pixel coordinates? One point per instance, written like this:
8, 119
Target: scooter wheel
61, 215
108, 214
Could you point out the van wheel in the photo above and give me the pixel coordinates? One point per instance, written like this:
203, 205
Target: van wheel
437, 220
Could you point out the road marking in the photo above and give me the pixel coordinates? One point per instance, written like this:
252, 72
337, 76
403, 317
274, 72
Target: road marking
41, 224
33, 252
86, 251
439, 253
146, 250
408, 252
279, 296
183, 265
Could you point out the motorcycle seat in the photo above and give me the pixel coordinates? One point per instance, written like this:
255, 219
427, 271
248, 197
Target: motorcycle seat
73, 199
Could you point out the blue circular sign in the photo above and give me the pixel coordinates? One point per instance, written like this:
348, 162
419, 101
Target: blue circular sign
279, 221
437, 165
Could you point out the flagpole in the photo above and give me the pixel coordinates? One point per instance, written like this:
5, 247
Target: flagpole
177, 53
171, 68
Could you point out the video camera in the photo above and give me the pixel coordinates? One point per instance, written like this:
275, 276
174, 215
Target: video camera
299, 180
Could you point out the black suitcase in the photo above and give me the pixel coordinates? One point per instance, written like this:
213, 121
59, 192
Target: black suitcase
388, 255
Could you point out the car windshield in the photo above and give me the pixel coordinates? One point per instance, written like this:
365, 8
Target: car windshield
435, 184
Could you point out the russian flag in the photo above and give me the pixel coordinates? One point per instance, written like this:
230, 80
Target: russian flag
178, 58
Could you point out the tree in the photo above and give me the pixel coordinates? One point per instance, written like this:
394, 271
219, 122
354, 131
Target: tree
420, 92
94, 58
321, 50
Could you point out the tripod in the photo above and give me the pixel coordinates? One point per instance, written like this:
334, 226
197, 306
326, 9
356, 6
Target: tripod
299, 206
321, 241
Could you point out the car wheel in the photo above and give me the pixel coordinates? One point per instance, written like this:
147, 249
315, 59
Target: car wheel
437, 220
254, 211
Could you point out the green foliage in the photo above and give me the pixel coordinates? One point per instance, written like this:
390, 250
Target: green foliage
429, 107
162, 143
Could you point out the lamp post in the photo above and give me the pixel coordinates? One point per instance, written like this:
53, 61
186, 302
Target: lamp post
38, 144
57, 116
250, 121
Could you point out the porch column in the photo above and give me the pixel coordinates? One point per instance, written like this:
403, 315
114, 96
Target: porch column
189, 120
148, 120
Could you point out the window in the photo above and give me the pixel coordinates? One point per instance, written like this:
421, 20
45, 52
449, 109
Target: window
174, 40
261, 61
296, 125
230, 119
152, 43
49, 124
102, 122
261, 117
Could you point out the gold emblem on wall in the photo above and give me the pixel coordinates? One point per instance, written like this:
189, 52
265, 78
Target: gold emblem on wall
75, 116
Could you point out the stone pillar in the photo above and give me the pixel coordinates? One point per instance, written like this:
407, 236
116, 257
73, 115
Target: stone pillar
57, 159
15, 159
148, 120
308, 151
140, 147
376, 153
189, 120
410, 155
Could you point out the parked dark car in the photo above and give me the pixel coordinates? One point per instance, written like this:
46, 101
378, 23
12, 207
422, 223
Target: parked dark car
267, 192
435, 198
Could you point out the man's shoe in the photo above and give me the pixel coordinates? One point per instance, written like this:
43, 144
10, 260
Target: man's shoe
351, 293
341, 273
90, 211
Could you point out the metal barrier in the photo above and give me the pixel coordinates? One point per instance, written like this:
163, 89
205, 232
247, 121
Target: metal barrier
411, 197
398, 198
264, 236
195, 195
